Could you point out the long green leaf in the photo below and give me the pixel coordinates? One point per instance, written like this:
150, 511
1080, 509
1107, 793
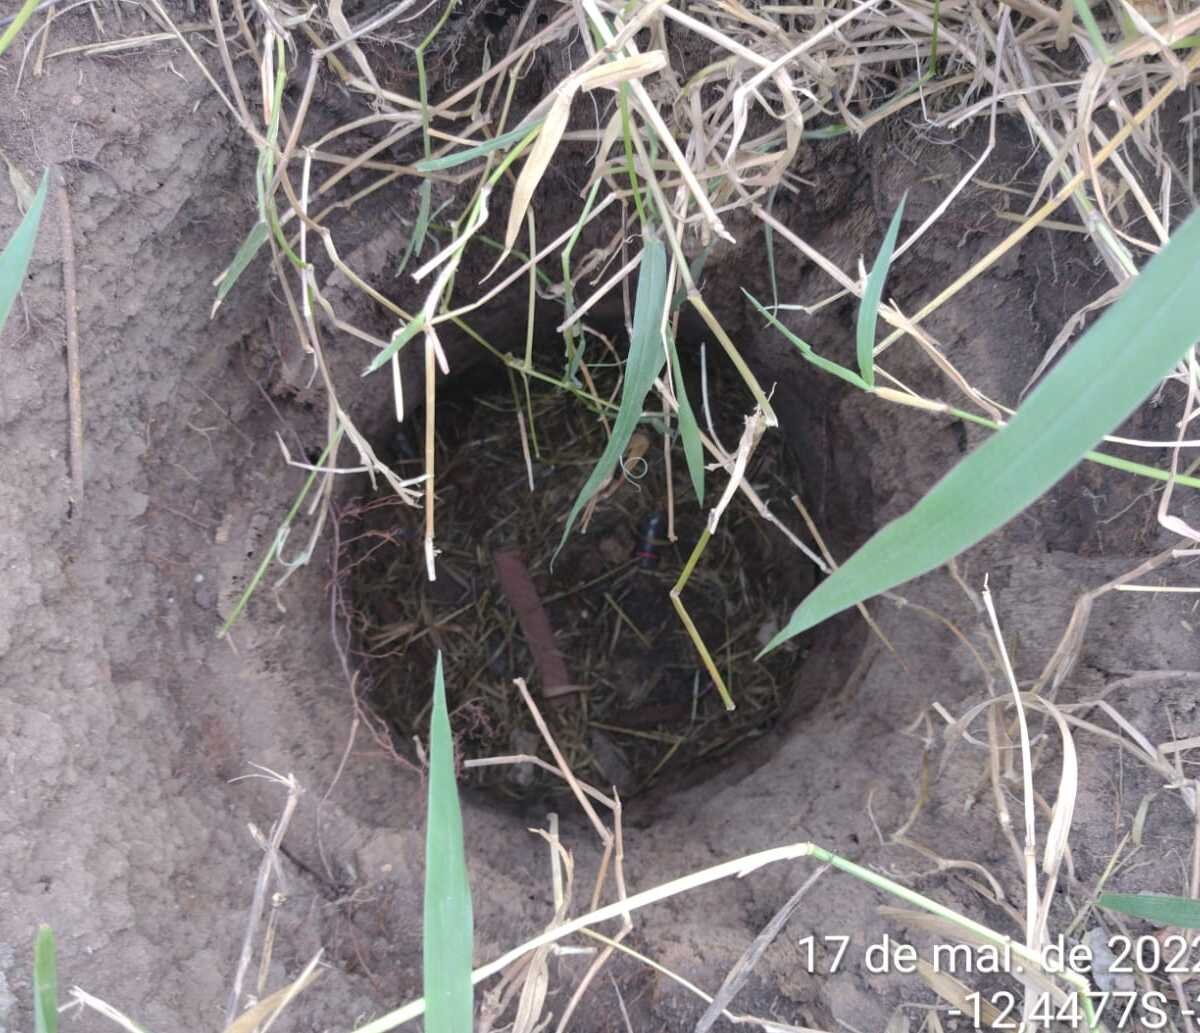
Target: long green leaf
769, 242
399, 339
868, 309
416, 240
457, 158
1183, 912
14, 259
689, 429
1116, 364
1093, 30
449, 929
573, 336
806, 349
255, 239
1159, 910
18, 23
645, 362
829, 132
45, 982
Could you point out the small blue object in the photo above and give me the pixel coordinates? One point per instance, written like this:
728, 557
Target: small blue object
649, 532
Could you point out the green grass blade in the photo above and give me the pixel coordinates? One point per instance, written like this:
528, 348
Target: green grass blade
18, 23
416, 240
630, 164
645, 362
450, 161
14, 259
806, 349
255, 239
689, 429
769, 241
278, 539
448, 930
573, 337
1103, 458
45, 982
1116, 364
831, 132
868, 309
398, 341
1092, 27
1183, 912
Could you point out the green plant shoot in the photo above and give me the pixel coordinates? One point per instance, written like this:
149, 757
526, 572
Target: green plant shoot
448, 929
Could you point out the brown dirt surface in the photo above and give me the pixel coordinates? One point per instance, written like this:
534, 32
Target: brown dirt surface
134, 740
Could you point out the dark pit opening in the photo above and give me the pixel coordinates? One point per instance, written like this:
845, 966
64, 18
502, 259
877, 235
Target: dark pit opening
638, 708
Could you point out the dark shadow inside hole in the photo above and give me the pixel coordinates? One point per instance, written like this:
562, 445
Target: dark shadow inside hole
645, 711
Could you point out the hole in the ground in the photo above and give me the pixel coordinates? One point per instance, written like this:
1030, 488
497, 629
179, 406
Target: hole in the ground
632, 704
